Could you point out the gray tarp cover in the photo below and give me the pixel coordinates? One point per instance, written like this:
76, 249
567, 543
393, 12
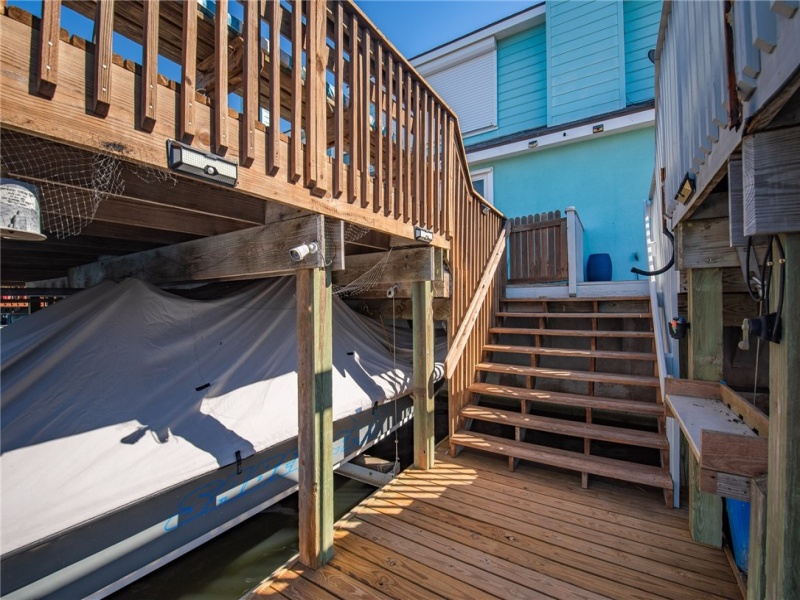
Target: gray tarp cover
123, 390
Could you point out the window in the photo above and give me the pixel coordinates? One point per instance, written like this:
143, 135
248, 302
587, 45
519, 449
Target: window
482, 181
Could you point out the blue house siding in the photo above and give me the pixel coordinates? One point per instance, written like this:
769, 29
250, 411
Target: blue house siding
607, 179
585, 59
641, 30
521, 84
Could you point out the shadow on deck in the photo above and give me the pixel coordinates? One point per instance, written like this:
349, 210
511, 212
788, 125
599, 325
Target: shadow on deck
471, 529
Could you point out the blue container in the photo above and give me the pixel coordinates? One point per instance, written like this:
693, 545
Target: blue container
739, 522
598, 267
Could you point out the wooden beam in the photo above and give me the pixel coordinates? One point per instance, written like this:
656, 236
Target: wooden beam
704, 244
104, 31
149, 91
441, 289
251, 71
221, 77
186, 124
338, 114
422, 307
247, 254
398, 308
315, 415
725, 485
48, 47
274, 10
747, 412
411, 264
296, 117
316, 106
783, 496
734, 454
705, 362
756, 577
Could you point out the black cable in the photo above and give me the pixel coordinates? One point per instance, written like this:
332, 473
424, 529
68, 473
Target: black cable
753, 296
782, 259
666, 267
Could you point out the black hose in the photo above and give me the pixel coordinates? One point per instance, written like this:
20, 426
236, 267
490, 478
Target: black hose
666, 267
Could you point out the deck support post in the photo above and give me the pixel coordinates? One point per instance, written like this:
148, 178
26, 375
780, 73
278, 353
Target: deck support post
422, 307
705, 363
783, 478
315, 415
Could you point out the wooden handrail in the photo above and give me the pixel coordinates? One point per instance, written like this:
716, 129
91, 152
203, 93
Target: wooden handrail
471, 316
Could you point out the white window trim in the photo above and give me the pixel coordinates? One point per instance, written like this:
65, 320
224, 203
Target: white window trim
487, 175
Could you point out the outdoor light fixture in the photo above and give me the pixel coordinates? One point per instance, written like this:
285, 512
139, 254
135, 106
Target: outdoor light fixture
298, 253
200, 164
686, 189
423, 235
533, 143
598, 128
651, 54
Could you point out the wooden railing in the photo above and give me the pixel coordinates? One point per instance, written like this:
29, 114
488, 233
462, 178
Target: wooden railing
355, 133
538, 248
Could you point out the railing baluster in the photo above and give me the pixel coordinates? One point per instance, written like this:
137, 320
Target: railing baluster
355, 109
104, 32
389, 207
429, 200
186, 128
338, 109
274, 11
316, 98
399, 203
419, 144
296, 140
377, 203
252, 75
48, 47
221, 77
408, 213
366, 95
149, 91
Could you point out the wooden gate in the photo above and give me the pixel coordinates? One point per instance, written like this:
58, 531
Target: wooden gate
538, 248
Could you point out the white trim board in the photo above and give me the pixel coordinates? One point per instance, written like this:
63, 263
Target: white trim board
611, 126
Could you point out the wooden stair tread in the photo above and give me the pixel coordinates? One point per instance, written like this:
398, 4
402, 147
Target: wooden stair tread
570, 352
576, 299
618, 435
596, 465
568, 399
568, 374
578, 315
572, 333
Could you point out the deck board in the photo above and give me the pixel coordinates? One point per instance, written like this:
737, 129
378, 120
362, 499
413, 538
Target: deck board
470, 528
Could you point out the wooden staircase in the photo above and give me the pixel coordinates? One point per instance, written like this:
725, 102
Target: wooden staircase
571, 383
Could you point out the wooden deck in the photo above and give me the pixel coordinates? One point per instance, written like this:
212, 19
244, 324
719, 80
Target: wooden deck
471, 529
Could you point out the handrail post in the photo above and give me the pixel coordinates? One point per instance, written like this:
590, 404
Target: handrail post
574, 249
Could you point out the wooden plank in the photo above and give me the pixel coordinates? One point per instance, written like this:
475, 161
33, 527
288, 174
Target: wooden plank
149, 91
316, 107
690, 387
423, 375
404, 265
572, 332
704, 244
705, 510
771, 181
220, 105
296, 96
274, 11
388, 141
560, 426
737, 454
315, 415
569, 352
342, 585
399, 185
573, 375
705, 318
752, 416
756, 577
104, 31
247, 254
186, 119
575, 315
725, 485
377, 141
251, 81
408, 210
50, 31
364, 130
783, 499
355, 109
339, 101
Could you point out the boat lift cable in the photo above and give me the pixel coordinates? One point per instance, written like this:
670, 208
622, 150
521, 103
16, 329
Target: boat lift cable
666, 267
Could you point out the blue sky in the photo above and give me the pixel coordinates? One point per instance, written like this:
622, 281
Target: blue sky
416, 26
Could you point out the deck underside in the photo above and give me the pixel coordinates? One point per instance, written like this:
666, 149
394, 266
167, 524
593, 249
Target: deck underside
471, 529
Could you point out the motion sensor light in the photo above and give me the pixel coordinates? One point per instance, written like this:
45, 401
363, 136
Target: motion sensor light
206, 166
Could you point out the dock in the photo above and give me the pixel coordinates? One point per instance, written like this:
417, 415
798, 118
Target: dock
469, 528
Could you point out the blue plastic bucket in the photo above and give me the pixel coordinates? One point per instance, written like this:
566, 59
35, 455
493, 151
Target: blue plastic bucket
598, 267
739, 522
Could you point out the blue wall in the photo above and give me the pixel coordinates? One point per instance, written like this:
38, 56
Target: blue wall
521, 84
641, 30
585, 59
606, 179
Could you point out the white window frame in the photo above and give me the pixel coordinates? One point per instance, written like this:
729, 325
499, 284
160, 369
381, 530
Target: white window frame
487, 176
